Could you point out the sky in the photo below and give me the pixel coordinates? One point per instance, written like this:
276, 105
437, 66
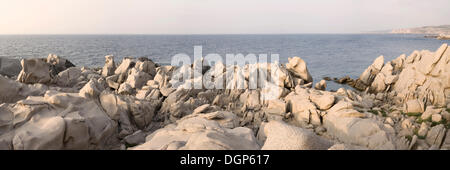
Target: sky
217, 16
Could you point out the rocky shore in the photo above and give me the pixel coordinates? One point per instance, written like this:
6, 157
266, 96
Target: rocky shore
49, 103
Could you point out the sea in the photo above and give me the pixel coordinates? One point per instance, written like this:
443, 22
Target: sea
326, 55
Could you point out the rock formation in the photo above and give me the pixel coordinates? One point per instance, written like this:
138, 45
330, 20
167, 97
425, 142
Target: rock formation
137, 104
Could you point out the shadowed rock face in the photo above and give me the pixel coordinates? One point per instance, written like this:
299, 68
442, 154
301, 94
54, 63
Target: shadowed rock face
133, 105
9, 67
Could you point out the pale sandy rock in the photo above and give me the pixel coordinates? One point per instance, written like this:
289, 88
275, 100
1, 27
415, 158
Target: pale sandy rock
369, 74
91, 90
125, 89
446, 141
281, 136
322, 85
196, 133
407, 124
271, 91
126, 64
69, 77
297, 67
201, 109
147, 66
426, 78
347, 125
58, 64
42, 134
76, 135
346, 147
136, 79
323, 102
6, 119
378, 63
445, 115
423, 130
101, 127
142, 111
117, 109
436, 135
155, 94
109, 67
378, 84
34, 71
277, 106
430, 111
300, 108
413, 106
253, 100
436, 118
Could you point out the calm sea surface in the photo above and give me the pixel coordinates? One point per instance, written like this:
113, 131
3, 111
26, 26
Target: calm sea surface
326, 54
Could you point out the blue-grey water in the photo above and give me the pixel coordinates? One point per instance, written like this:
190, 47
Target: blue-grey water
326, 54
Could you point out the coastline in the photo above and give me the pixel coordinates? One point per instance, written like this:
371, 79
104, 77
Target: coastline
403, 103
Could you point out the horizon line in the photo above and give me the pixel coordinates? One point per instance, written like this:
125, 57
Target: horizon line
201, 33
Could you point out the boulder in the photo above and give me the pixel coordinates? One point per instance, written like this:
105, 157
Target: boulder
301, 108
12, 91
136, 138
58, 63
322, 85
126, 64
109, 67
69, 77
366, 78
350, 126
91, 90
76, 135
9, 67
323, 102
198, 133
281, 136
34, 71
136, 79
436, 135
125, 89
42, 134
277, 106
413, 106
298, 68
147, 66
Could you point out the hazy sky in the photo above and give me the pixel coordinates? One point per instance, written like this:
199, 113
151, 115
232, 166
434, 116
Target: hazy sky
216, 16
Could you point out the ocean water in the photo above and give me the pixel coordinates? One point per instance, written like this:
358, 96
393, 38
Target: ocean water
325, 54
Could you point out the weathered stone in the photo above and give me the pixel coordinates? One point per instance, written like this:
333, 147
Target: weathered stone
297, 67
91, 90
9, 67
40, 134
136, 138
423, 130
126, 64
136, 79
196, 133
323, 102
436, 135
413, 106
277, 106
69, 77
34, 71
59, 64
109, 67
348, 126
322, 85
281, 136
